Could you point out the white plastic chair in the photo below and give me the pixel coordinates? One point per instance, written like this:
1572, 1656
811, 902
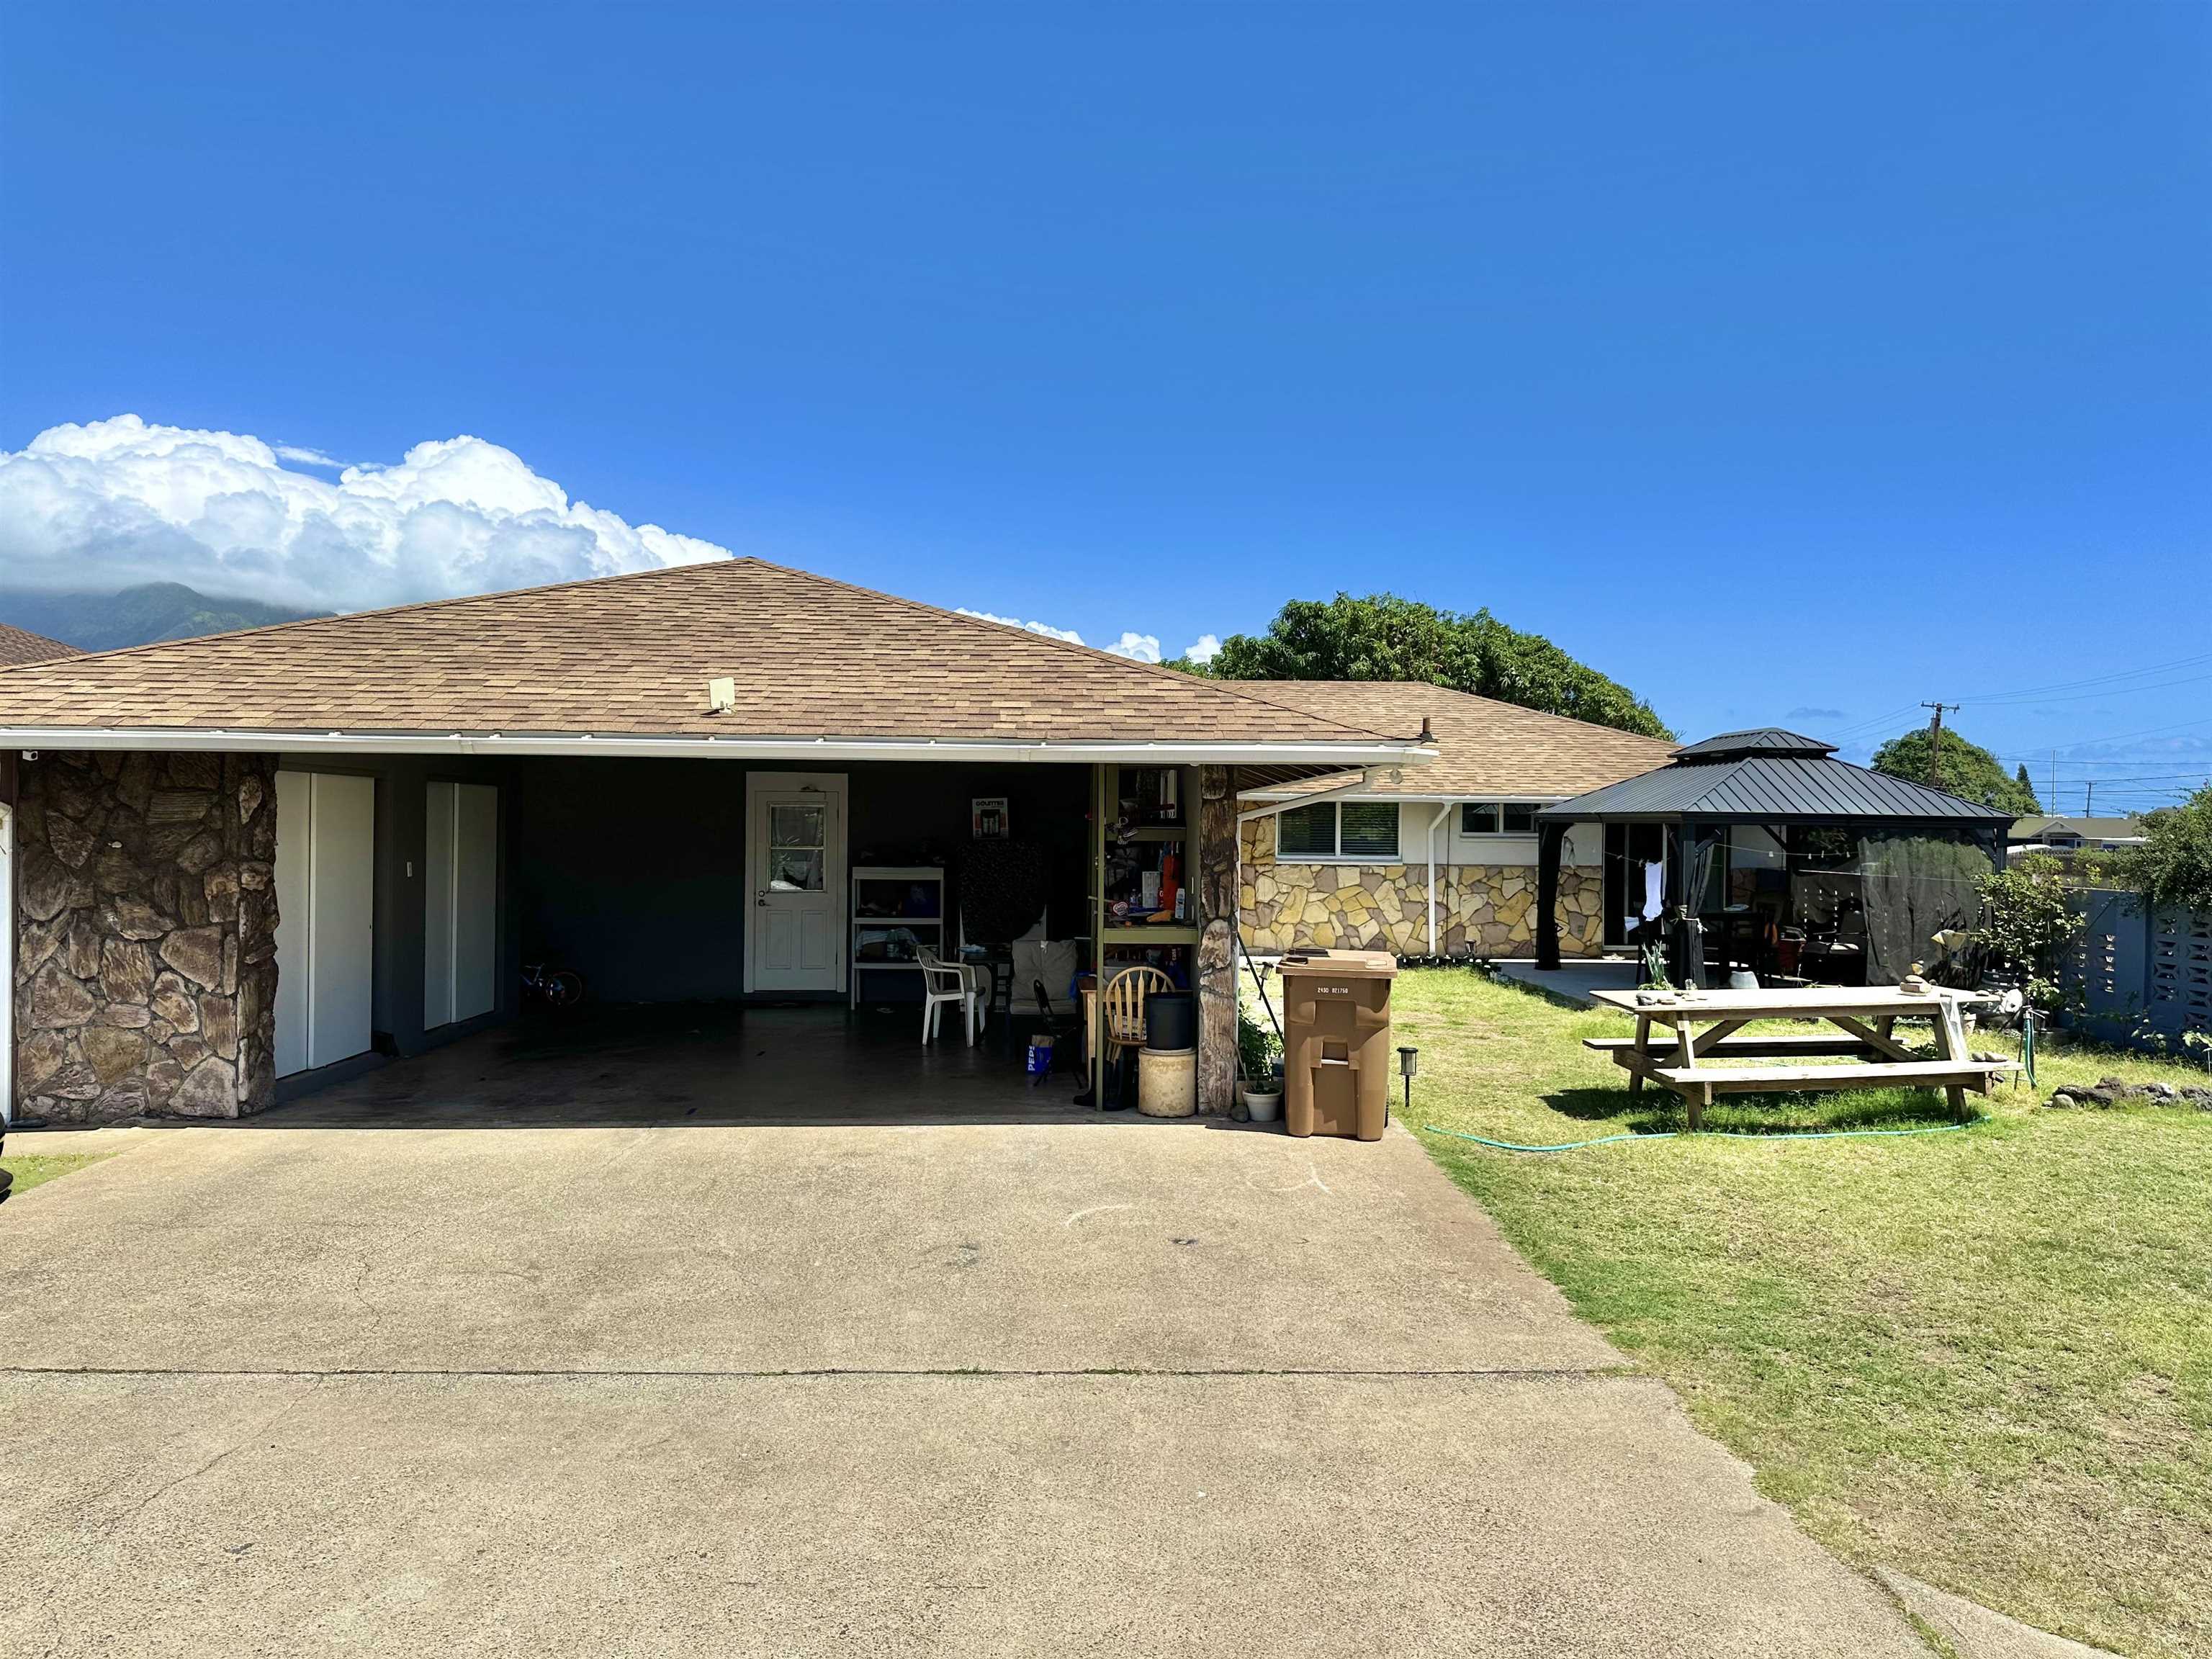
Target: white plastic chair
944, 982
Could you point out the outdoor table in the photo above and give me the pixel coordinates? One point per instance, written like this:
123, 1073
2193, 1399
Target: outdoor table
1670, 1048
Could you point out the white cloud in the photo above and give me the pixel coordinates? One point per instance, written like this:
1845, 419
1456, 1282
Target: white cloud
1204, 649
1046, 628
1138, 648
113, 502
1141, 647
303, 456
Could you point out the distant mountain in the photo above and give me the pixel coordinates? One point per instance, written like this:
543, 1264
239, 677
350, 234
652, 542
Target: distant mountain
136, 616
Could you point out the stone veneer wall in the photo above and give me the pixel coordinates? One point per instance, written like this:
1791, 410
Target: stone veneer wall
146, 935
1482, 909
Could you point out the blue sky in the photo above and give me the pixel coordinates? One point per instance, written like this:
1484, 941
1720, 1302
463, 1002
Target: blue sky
1789, 364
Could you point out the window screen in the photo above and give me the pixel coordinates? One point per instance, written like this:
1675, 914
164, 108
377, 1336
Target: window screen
1306, 832
1479, 818
1370, 829
1520, 818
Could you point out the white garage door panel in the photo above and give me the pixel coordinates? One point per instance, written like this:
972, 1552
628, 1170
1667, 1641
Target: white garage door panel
325, 928
294, 796
460, 902
342, 945
475, 899
438, 905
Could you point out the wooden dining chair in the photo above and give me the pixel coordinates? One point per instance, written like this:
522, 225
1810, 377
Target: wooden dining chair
1127, 993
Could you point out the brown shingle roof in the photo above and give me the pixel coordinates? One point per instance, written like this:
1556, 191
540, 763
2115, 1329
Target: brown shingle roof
20, 645
632, 656
1484, 748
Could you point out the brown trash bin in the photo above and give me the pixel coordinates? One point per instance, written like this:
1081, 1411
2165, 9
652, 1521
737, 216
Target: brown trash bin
1336, 1042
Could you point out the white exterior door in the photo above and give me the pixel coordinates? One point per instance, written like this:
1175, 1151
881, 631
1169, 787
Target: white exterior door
460, 902
795, 866
325, 917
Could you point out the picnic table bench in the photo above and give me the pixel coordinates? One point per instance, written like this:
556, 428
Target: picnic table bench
1668, 1048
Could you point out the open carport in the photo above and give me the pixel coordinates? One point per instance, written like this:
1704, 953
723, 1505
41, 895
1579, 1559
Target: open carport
258, 864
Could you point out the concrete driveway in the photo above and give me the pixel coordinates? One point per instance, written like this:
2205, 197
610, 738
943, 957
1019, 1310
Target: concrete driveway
1072, 1386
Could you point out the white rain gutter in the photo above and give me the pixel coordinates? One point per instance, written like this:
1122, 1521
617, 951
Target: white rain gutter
1443, 812
794, 749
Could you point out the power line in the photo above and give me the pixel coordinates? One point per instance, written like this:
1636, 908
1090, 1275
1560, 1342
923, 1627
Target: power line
2082, 696
2094, 679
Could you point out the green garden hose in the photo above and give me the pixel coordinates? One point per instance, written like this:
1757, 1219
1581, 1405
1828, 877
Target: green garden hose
1709, 1135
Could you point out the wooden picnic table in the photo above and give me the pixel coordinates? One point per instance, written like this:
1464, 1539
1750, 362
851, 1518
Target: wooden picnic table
1670, 1049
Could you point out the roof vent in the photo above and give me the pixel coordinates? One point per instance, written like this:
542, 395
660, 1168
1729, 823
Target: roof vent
721, 695
1427, 734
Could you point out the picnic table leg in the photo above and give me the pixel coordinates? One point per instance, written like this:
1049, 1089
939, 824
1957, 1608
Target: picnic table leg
1642, 1047
1697, 1094
1951, 1044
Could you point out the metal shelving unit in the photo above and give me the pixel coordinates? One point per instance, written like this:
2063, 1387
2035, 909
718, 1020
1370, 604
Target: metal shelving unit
875, 923
1108, 936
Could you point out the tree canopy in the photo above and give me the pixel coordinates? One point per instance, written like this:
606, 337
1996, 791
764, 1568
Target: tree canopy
1970, 771
2174, 863
1381, 636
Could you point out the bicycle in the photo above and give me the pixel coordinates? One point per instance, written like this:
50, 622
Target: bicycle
557, 987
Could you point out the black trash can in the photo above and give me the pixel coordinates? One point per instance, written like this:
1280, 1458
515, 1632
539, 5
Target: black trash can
1170, 1020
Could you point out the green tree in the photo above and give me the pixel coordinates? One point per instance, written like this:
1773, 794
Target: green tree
2174, 863
1970, 771
1381, 636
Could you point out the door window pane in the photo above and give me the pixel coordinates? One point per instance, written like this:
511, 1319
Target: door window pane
795, 846
792, 871
1369, 829
1306, 832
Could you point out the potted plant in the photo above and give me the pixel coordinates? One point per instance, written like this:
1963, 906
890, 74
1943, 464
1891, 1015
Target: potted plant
1259, 1058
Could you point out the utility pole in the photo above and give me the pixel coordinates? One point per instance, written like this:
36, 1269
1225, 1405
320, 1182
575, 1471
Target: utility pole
2088, 797
1935, 742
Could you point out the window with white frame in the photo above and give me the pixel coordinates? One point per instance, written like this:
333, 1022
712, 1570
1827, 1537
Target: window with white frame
1497, 817
1355, 831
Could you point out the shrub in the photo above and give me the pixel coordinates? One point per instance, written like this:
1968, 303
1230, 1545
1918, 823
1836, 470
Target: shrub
2027, 925
1258, 1048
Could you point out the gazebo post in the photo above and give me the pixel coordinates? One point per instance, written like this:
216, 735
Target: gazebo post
1549, 840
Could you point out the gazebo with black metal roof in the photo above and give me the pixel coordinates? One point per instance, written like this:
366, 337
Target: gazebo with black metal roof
1789, 789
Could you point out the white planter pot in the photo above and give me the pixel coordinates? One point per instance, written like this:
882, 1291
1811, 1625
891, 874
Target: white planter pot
1262, 1107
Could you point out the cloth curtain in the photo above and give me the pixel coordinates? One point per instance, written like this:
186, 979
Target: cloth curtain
1915, 887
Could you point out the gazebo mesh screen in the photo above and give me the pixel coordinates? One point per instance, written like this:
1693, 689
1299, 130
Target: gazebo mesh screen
1916, 886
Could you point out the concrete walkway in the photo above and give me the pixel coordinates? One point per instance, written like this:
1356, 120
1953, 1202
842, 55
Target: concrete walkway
1080, 1386
1573, 982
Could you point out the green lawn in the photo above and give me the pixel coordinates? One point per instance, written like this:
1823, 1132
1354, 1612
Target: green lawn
1983, 1358
35, 1169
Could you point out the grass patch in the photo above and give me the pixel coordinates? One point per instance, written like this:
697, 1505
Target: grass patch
1984, 1358
36, 1168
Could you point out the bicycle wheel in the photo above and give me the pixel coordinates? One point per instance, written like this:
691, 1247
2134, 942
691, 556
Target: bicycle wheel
564, 988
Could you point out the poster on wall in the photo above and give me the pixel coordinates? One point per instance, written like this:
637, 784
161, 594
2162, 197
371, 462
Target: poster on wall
987, 818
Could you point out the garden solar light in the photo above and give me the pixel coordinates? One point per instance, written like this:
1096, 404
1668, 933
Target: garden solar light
1409, 1063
